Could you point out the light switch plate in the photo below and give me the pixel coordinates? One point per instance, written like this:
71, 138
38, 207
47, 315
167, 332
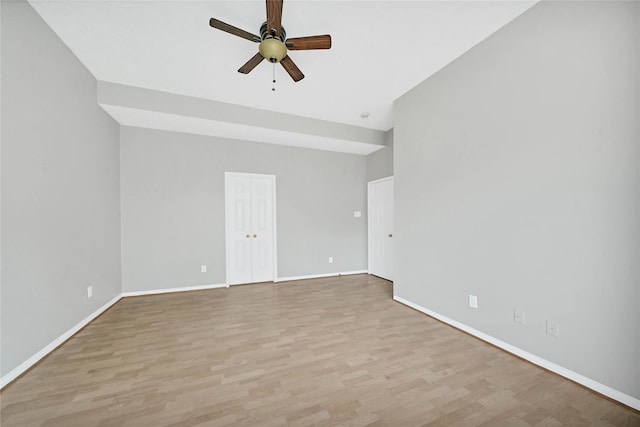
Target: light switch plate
473, 301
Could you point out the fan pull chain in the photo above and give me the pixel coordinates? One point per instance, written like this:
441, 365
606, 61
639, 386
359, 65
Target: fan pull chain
273, 88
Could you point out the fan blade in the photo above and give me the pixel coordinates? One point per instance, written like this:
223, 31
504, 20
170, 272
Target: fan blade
291, 68
233, 30
274, 16
251, 64
311, 42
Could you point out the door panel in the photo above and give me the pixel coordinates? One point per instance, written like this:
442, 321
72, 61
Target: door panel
262, 226
238, 202
381, 253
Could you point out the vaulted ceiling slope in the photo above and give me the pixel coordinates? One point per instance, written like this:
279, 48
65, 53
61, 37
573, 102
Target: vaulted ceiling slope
381, 49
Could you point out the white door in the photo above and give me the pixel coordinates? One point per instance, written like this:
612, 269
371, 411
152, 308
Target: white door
380, 195
250, 227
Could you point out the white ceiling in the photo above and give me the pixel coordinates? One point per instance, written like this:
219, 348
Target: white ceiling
381, 49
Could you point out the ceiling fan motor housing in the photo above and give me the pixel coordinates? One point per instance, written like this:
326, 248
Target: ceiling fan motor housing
265, 34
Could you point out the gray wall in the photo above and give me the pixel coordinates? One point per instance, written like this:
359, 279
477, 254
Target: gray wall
173, 207
516, 172
60, 191
380, 163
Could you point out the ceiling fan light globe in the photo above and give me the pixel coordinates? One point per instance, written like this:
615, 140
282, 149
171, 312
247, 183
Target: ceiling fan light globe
273, 50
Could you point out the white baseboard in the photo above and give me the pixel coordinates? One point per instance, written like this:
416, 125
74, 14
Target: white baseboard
172, 290
318, 276
24, 366
574, 376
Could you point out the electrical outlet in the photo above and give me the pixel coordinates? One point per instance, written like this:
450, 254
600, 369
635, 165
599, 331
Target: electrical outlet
89, 291
330, 260
473, 301
203, 268
553, 329
518, 316
357, 214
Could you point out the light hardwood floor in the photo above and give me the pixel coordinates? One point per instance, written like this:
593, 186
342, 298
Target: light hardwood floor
336, 351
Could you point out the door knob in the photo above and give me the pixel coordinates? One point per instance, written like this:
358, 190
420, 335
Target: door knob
248, 235
255, 235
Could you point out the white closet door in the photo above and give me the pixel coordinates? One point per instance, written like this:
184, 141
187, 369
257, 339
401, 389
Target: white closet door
262, 229
381, 253
238, 206
250, 228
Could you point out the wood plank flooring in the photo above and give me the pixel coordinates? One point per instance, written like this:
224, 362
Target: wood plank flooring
327, 352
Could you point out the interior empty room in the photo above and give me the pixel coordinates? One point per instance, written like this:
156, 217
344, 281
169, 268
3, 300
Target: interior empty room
320, 213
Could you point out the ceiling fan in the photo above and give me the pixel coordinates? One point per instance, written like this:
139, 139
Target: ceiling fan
274, 42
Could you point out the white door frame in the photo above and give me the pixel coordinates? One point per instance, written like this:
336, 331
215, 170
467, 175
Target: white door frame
369, 219
227, 222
